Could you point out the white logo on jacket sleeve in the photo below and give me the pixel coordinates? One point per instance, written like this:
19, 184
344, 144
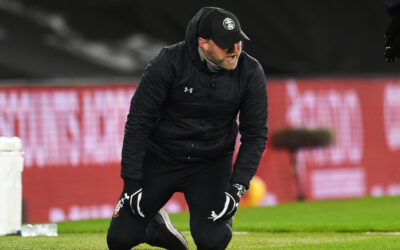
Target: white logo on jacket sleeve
228, 23
190, 90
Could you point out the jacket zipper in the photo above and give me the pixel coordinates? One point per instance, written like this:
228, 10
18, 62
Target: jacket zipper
213, 81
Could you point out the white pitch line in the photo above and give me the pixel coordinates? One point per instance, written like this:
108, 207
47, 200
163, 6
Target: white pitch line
388, 233
240, 233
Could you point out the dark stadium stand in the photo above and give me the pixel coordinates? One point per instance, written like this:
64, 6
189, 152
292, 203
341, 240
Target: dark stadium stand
99, 38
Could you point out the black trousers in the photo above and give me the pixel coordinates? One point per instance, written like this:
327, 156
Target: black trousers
203, 185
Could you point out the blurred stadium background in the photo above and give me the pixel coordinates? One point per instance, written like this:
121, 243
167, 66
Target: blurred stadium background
68, 70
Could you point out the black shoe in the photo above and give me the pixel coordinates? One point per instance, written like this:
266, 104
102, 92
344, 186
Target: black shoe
161, 233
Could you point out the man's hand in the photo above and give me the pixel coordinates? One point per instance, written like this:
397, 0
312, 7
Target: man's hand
133, 201
228, 207
392, 40
132, 196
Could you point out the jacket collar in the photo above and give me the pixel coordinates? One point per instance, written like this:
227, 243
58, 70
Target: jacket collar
210, 65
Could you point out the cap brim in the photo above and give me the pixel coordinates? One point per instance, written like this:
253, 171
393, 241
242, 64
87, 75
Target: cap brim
228, 41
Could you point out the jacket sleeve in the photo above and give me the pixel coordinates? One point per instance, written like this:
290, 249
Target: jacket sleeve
144, 113
252, 127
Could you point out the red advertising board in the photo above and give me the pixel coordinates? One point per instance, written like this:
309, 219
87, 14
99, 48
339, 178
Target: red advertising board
72, 138
364, 115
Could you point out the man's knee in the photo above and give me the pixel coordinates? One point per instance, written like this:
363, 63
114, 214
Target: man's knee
123, 240
213, 236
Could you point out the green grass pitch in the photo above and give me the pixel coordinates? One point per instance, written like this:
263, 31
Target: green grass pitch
365, 223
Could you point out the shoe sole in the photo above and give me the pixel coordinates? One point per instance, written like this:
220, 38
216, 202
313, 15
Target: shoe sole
171, 227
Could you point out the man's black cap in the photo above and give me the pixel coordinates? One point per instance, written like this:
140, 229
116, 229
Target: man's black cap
222, 27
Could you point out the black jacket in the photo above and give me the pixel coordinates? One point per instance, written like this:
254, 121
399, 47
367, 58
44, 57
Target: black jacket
184, 112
